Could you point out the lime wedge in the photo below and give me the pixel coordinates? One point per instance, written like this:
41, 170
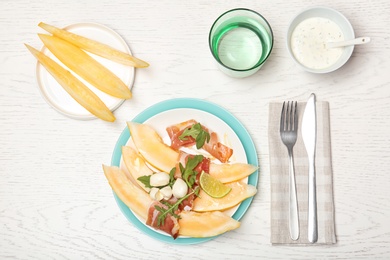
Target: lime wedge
213, 187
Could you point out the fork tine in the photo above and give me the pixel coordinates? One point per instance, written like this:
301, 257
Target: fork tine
295, 117
292, 116
288, 116
282, 117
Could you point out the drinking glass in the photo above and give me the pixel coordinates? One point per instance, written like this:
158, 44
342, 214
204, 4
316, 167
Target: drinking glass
240, 40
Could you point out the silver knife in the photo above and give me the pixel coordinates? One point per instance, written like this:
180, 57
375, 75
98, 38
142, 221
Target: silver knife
309, 135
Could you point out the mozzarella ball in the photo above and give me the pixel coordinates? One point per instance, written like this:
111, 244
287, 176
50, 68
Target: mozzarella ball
166, 192
180, 188
155, 194
159, 179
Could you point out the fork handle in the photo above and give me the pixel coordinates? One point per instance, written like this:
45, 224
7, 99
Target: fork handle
312, 207
293, 218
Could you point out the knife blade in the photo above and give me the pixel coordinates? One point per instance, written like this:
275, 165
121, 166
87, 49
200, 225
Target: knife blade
309, 136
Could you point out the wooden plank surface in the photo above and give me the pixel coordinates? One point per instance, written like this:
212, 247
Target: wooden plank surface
55, 202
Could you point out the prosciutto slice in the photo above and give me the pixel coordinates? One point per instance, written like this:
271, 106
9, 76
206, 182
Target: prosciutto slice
217, 149
171, 224
204, 165
175, 131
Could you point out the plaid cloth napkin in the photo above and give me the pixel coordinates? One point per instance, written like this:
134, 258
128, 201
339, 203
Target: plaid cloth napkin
279, 167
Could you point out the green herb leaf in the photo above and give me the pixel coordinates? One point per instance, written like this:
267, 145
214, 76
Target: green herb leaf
196, 191
172, 177
192, 131
145, 181
188, 174
160, 221
202, 137
198, 133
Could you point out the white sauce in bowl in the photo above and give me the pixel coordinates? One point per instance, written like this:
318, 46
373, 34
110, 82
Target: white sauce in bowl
308, 42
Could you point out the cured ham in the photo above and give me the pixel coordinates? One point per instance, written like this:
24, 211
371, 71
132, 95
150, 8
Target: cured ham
175, 131
188, 203
204, 165
170, 224
213, 146
217, 149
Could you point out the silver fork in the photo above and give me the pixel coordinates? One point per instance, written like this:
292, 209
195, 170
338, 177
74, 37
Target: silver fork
288, 134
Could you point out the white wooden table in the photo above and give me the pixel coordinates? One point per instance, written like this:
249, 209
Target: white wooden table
55, 202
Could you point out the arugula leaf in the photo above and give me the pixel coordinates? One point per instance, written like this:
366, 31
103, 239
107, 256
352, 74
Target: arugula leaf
196, 191
145, 181
188, 174
202, 137
192, 131
164, 213
198, 133
172, 177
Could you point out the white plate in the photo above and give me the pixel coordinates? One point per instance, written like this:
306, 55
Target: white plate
59, 99
227, 136
169, 112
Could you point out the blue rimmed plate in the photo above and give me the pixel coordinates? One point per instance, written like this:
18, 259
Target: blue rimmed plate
173, 111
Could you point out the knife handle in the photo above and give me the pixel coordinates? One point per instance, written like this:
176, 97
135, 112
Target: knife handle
312, 217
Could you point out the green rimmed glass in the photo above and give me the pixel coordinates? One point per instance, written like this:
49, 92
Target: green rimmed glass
240, 40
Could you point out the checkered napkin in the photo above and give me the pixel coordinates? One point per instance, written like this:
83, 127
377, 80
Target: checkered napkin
279, 167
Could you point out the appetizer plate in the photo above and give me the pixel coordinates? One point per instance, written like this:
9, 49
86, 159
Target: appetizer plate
59, 99
174, 111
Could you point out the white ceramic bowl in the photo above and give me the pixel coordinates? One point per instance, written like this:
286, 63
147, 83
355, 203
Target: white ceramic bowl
336, 17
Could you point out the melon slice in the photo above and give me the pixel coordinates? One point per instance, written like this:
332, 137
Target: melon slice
135, 165
239, 192
86, 67
75, 88
231, 172
205, 224
150, 145
135, 198
95, 47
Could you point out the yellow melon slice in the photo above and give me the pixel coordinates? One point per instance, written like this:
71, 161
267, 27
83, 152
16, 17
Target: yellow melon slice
86, 67
205, 224
135, 198
150, 145
231, 172
135, 165
240, 191
95, 47
76, 89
